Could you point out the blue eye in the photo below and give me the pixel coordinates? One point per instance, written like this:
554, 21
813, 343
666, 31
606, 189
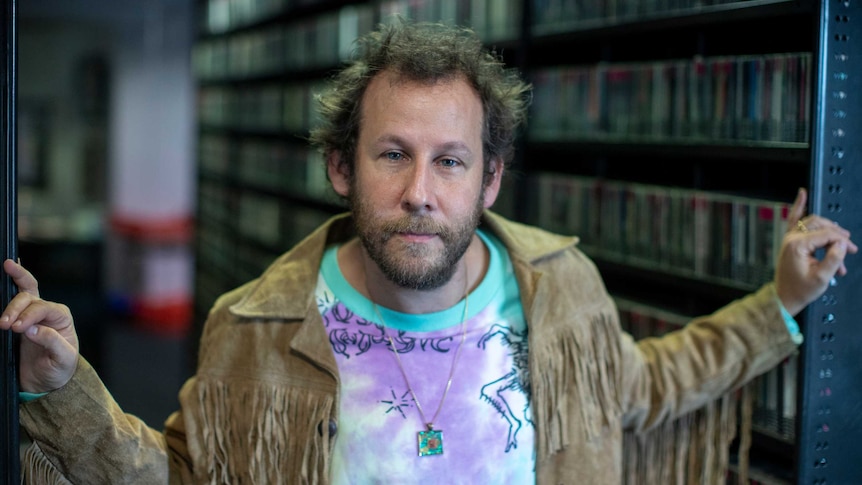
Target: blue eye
394, 156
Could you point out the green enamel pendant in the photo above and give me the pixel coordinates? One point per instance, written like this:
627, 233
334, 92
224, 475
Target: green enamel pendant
430, 442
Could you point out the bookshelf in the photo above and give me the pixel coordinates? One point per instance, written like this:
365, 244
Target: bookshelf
670, 135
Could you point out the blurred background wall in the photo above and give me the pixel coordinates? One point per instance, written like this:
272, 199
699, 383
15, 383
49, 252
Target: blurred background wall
107, 183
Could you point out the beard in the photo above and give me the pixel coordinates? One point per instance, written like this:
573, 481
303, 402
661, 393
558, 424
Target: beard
413, 266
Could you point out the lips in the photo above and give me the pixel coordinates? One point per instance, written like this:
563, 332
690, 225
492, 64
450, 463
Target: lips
416, 237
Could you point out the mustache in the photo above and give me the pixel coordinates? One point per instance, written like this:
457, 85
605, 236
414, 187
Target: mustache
414, 224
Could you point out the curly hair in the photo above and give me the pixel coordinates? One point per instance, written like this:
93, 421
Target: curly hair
424, 52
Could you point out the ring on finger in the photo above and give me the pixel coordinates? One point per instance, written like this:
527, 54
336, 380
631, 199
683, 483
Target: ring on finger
801, 226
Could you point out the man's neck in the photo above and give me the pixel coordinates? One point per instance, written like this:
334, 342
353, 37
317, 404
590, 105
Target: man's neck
365, 277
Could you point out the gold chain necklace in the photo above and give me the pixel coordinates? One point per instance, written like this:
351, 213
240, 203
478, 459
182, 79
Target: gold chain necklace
431, 440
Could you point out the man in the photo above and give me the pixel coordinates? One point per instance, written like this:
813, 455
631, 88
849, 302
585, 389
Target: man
420, 338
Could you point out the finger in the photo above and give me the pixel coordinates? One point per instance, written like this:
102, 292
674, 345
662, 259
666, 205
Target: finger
797, 210
815, 223
50, 340
818, 232
833, 261
12, 312
25, 281
842, 271
43, 313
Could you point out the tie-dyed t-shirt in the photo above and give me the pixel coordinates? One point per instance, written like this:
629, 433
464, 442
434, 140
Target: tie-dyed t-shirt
486, 420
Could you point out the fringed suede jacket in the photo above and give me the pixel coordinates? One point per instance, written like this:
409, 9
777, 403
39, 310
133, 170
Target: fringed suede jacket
263, 405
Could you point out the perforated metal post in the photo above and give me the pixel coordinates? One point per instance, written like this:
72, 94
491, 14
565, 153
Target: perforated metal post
830, 402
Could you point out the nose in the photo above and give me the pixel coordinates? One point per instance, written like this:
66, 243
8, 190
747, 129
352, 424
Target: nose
418, 193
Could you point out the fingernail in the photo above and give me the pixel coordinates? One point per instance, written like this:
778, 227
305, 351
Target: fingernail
5, 318
17, 323
33, 330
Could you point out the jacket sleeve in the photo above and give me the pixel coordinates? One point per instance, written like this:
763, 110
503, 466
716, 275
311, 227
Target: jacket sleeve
667, 377
80, 434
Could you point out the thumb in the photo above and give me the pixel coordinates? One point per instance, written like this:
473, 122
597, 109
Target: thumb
58, 348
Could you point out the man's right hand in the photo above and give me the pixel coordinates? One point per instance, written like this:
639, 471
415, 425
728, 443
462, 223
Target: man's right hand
49, 347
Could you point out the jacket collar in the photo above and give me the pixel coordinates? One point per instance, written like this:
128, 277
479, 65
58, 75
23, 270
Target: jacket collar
285, 289
524, 242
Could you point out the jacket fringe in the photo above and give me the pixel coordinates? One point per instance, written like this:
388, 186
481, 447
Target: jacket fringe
580, 362
693, 449
36, 469
270, 420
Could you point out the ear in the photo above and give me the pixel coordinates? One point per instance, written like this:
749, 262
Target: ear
338, 174
493, 187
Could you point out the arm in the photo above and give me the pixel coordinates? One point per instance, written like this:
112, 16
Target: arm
77, 418
667, 377
85, 436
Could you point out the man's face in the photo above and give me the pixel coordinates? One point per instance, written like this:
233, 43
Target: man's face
416, 192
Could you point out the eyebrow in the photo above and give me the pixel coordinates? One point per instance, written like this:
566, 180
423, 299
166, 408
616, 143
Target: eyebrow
457, 147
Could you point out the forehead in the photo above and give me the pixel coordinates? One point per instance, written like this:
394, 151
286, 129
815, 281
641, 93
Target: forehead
394, 101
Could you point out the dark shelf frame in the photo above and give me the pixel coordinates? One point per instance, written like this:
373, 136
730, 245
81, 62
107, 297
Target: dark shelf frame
10, 464
828, 424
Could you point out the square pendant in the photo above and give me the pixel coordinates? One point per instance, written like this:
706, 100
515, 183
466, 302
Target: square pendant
430, 442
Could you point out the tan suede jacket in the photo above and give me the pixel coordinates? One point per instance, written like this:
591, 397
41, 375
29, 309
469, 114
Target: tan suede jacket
263, 405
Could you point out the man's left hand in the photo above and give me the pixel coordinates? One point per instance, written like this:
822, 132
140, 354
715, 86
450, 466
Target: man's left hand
800, 277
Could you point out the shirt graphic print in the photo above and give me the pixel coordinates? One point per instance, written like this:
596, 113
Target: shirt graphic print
486, 419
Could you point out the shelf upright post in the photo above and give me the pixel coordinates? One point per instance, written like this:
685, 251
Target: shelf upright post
828, 424
10, 462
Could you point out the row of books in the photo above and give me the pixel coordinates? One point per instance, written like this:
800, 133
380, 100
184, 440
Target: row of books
774, 407
260, 227
260, 218
554, 16
642, 320
775, 400
221, 249
500, 19
750, 98
264, 219
272, 107
715, 236
292, 168
218, 16
493, 20
215, 206
316, 42
214, 154
326, 39
269, 164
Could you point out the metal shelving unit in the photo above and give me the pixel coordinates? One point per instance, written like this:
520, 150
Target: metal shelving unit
828, 424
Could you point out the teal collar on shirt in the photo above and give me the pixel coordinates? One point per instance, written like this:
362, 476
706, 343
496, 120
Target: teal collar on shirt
426, 322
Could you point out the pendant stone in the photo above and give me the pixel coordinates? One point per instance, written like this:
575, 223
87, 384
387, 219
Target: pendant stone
431, 442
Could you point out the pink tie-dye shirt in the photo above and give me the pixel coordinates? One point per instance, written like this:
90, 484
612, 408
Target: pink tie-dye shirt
486, 420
